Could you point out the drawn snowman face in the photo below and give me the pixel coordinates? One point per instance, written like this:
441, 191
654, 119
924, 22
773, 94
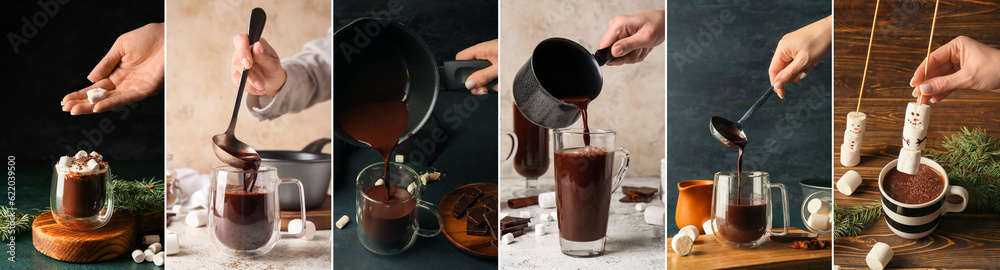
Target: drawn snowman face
916, 115
914, 119
854, 128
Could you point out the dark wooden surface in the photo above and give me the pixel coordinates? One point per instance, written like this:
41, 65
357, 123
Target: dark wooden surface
454, 228
708, 253
64, 244
321, 216
962, 240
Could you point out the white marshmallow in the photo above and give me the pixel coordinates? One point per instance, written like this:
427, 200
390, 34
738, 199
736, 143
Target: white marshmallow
525, 214
177, 209
295, 226
342, 221
914, 138
539, 229
96, 94
682, 244
836, 267
310, 231
849, 182
399, 159
640, 206
197, 218
63, 162
171, 246
819, 222
156, 247
138, 256
690, 231
707, 226
149, 255
547, 200
506, 239
412, 188
879, 256
379, 182
909, 161
917, 116
150, 239
424, 178
817, 206
544, 216
96, 155
856, 122
158, 259
553, 216
849, 157
654, 215
81, 154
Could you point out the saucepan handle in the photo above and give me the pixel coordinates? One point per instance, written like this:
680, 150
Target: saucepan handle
455, 73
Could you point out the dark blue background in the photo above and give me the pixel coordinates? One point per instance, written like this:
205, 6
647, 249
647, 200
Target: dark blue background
715, 68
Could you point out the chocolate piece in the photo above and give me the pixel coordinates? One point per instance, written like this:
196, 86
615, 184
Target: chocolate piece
790, 237
522, 202
490, 202
469, 196
473, 229
518, 233
512, 229
811, 244
491, 222
641, 191
476, 216
495, 244
510, 221
635, 198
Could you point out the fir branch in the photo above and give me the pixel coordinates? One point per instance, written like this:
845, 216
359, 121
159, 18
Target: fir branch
850, 221
971, 161
14, 222
145, 195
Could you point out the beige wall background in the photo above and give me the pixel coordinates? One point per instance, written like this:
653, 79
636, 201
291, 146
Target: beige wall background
632, 100
199, 92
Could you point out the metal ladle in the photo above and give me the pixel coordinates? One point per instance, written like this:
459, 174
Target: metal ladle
731, 134
226, 147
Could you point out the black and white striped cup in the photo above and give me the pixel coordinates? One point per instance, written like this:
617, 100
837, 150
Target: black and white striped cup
913, 221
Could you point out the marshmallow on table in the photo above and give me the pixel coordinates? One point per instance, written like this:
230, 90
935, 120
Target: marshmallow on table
295, 226
681, 244
818, 206
547, 200
544, 216
525, 214
197, 218
150, 239
539, 229
342, 221
707, 226
138, 256
640, 206
654, 215
850, 151
690, 231
879, 256
149, 255
399, 159
170, 244
819, 222
96, 94
909, 161
158, 259
849, 182
155, 247
506, 239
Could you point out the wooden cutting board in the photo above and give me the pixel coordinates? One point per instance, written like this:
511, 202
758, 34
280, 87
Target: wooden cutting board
320, 216
454, 228
708, 253
60, 243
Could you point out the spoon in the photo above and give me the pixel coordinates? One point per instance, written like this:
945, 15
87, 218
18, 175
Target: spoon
731, 134
226, 147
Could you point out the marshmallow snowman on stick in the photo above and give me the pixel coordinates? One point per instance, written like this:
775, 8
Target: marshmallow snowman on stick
850, 151
914, 134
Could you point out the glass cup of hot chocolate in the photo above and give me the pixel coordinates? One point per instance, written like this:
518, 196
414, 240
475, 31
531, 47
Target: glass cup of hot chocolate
741, 208
387, 208
913, 204
584, 163
81, 197
243, 213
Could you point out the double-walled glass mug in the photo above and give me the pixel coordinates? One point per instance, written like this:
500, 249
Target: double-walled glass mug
741, 208
387, 209
81, 200
584, 183
245, 221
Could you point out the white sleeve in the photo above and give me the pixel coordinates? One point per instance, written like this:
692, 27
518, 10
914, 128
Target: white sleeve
307, 81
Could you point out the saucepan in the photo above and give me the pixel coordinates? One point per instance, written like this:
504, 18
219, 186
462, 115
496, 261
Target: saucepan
310, 166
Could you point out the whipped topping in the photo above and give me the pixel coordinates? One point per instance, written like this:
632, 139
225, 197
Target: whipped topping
82, 163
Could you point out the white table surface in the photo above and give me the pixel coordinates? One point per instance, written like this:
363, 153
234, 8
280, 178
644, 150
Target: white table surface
631, 243
198, 252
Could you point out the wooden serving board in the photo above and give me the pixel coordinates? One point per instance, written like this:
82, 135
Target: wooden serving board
60, 243
708, 253
320, 216
454, 228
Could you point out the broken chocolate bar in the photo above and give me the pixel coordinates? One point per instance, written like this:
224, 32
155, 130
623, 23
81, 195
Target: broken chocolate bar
512, 229
476, 216
468, 198
636, 198
491, 222
490, 201
518, 233
641, 191
510, 221
473, 229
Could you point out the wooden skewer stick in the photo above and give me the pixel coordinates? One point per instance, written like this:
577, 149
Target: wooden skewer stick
927, 63
865, 74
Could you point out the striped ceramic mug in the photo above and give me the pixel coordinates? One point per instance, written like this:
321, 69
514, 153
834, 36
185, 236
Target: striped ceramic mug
913, 221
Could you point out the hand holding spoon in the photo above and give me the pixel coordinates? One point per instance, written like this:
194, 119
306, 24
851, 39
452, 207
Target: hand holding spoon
731, 134
226, 147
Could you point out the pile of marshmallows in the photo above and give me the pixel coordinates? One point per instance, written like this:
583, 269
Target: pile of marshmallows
819, 215
652, 214
154, 252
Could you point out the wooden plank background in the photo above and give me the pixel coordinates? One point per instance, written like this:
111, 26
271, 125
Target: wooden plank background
965, 240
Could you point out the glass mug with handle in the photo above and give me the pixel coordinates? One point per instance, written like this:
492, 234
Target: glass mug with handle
387, 209
741, 208
245, 222
584, 184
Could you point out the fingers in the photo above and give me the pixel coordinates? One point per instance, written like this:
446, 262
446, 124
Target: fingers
642, 39
242, 54
483, 51
940, 63
108, 63
116, 99
631, 58
477, 81
266, 63
779, 61
616, 29
76, 103
790, 73
943, 84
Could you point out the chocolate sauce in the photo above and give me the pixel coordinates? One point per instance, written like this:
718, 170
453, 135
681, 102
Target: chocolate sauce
531, 158
745, 220
391, 221
84, 194
252, 164
581, 102
245, 220
919, 188
583, 192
